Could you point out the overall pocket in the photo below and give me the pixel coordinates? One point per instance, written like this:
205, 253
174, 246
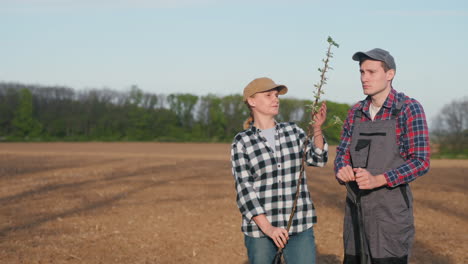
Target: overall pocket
361, 153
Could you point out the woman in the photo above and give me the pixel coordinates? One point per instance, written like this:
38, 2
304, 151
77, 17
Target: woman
266, 160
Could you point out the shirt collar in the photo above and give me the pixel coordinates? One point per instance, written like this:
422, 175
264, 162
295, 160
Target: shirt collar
389, 102
255, 130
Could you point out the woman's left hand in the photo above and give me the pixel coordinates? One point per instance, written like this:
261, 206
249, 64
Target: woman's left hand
321, 115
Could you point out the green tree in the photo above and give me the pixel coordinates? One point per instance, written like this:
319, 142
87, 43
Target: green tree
333, 132
290, 110
211, 118
139, 117
235, 113
9, 98
24, 124
164, 125
183, 105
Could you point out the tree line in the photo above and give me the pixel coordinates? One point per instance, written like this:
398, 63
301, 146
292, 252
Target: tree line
54, 113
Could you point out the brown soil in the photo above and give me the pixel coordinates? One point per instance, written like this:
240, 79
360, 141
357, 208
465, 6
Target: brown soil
175, 203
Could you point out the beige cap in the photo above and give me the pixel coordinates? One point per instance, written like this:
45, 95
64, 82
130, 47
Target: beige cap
261, 85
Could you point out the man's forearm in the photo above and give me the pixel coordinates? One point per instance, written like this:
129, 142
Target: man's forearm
380, 180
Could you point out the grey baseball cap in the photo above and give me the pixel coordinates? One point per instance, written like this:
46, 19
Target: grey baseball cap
376, 54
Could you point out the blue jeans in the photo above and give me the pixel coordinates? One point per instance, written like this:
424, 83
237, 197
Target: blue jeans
300, 249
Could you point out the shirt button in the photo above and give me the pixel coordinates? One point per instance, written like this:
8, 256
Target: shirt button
279, 165
279, 211
281, 197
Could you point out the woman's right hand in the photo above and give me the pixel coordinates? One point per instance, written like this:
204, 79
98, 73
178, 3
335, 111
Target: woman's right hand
279, 235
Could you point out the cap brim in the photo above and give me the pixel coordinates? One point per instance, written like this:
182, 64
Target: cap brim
282, 89
358, 55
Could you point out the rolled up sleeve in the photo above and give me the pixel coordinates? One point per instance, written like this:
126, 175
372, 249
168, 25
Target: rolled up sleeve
317, 157
416, 147
247, 200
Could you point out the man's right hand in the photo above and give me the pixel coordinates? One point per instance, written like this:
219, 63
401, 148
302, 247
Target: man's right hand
346, 174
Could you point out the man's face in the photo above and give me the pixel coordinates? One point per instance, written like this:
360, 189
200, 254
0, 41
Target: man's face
374, 79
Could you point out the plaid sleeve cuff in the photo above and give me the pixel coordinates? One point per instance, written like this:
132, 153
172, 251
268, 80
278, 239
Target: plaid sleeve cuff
407, 172
317, 157
389, 176
247, 201
317, 150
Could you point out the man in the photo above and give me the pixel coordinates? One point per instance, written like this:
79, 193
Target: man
384, 146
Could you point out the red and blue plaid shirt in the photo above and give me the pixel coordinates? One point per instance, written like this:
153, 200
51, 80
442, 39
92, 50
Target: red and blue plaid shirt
412, 137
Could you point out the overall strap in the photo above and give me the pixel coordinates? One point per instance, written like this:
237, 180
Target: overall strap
397, 110
357, 115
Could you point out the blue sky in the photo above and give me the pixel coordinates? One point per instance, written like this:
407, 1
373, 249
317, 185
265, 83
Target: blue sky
217, 47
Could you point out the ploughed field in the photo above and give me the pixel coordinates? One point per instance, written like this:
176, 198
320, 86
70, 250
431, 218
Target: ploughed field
175, 203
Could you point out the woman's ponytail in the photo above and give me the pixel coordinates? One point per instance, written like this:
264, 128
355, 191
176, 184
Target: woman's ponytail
249, 120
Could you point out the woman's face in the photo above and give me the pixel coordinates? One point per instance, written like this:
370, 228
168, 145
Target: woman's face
265, 103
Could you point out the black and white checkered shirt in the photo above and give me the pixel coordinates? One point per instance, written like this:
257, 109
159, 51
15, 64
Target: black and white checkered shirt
266, 180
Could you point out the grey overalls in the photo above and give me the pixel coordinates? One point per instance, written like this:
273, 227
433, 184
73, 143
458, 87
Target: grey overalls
387, 213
